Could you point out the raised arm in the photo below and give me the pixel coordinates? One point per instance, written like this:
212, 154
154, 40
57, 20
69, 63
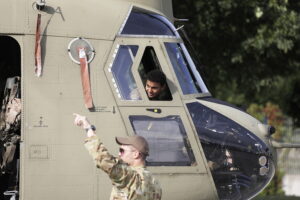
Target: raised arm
102, 158
118, 172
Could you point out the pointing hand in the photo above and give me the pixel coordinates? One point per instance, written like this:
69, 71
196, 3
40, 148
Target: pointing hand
81, 121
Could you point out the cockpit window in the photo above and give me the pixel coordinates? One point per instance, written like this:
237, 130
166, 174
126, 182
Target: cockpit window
240, 163
186, 79
167, 140
135, 25
121, 69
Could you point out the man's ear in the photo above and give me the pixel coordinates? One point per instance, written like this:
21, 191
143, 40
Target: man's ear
136, 154
164, 86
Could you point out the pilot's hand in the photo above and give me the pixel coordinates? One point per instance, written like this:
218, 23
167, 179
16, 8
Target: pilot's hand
81, 121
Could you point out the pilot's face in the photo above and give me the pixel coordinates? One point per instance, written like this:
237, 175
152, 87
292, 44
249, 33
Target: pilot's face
153, 89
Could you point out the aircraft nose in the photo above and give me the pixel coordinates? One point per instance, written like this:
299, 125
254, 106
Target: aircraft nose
241, 163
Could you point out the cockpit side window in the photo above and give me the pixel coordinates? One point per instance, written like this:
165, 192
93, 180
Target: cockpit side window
121, 69
149, 63
183, 71
167, 138
135, 25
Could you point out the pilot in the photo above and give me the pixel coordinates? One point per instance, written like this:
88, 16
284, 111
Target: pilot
156, 86
130, 179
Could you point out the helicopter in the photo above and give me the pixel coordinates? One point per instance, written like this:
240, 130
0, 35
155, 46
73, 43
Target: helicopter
88, 57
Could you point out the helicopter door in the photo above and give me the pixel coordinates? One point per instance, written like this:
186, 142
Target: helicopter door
173, 143
171, 139
174, 152
131, 59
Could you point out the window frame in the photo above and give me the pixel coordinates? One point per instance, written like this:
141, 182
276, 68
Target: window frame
146, 122
200, 166
188, 73
184, 96
142, 43
119, 85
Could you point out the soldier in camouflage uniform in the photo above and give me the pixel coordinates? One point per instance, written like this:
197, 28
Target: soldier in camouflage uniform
130, 179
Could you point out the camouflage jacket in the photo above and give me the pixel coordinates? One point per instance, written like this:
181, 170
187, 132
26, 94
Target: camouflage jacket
129, 183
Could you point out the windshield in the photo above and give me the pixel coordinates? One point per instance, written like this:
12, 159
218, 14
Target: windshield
240, 163
182, 69
139, 23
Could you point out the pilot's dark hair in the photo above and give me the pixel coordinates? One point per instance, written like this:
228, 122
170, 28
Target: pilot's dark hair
157, 76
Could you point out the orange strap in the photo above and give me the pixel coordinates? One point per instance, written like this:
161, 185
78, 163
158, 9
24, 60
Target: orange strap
38, 50
85, 79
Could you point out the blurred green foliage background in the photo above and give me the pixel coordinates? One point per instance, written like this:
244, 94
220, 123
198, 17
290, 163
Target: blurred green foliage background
248, 54
248, 50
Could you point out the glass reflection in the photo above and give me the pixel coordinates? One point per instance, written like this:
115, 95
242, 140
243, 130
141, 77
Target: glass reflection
135, 25
122, 73
182, 69
233, 153
168, 142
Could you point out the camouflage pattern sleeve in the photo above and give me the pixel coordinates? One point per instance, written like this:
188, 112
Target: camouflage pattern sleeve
117, 171
102, 158
123, 175
134, 183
